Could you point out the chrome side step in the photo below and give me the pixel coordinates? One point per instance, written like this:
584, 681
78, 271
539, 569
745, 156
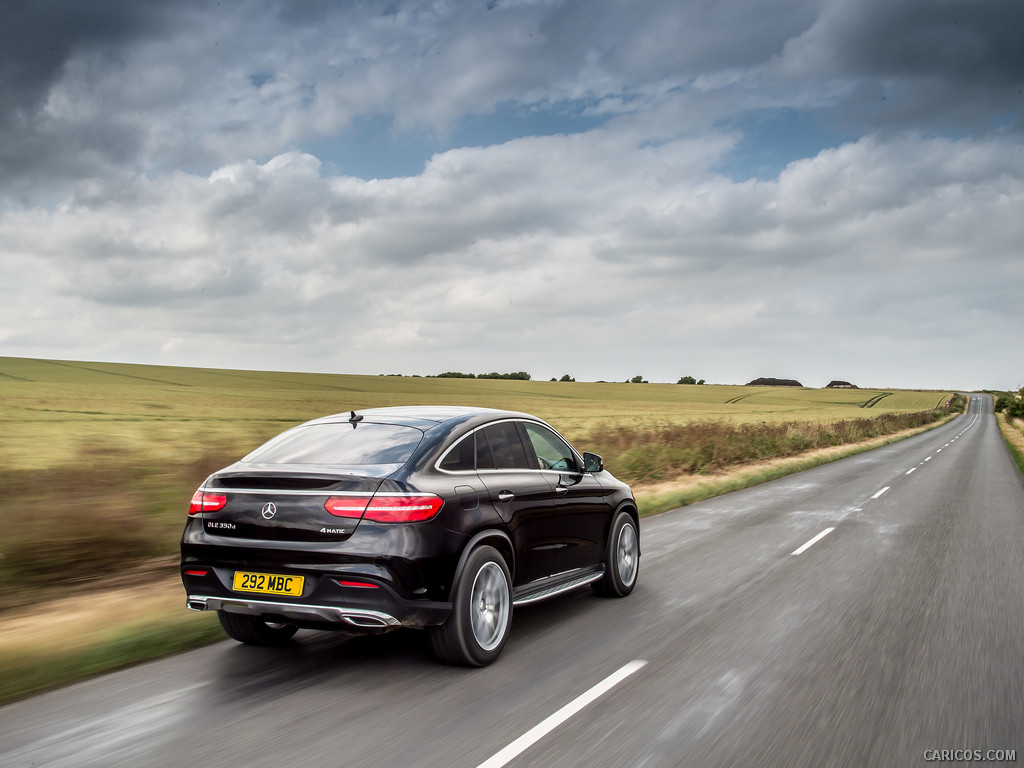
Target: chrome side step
357, 617
558, 587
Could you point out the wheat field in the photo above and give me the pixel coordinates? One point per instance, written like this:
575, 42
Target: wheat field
55, 412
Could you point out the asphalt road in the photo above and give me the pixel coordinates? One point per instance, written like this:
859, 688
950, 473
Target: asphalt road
899, 632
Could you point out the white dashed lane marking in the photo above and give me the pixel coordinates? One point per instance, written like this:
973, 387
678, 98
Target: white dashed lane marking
812, 542
546, 726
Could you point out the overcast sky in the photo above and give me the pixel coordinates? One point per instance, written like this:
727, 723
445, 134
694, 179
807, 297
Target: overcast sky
730, 189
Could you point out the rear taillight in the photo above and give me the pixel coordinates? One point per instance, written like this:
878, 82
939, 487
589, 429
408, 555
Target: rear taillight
403, 509
386, 509
347, 506
204, 501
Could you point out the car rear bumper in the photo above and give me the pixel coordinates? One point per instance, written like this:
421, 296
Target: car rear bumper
369, 604
363, 618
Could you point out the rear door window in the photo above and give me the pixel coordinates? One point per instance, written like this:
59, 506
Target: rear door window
498, 446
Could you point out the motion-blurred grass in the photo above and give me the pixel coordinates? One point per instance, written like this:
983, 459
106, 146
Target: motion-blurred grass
647, 454
47, 658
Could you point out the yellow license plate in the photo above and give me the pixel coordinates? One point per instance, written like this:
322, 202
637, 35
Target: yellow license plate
267, 583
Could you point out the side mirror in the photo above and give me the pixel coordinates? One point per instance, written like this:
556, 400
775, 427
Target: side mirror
592, 462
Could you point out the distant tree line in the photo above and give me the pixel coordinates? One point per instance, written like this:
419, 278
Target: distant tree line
769, 382
524, 376
517, 375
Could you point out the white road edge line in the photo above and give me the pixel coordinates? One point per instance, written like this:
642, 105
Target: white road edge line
812, 542
880, 492
545, 727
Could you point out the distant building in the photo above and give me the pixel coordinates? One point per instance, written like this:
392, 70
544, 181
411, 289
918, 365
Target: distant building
841, 385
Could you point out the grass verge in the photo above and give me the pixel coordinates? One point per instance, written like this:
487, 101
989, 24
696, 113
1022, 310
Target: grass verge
70, 639
646, 454
652, 499
59, 642
1013, 435
125, 644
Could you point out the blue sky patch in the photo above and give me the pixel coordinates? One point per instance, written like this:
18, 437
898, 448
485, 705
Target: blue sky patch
772, 139
372, 147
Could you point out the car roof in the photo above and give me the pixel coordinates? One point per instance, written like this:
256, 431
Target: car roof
421, 416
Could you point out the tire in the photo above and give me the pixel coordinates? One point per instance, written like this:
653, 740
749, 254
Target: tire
252, 630
622, 560
475, 633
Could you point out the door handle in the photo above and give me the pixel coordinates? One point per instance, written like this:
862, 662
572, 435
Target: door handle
561, 490
506, 496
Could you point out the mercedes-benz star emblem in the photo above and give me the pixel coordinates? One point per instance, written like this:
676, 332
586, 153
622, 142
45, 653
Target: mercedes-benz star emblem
269, 510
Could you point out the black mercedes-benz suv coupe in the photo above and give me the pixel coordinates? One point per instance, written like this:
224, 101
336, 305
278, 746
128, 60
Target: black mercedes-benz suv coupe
433, 517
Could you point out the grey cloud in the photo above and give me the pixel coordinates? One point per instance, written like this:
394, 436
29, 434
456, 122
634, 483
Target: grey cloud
142, 86
648, 41
956, 64
38, 36
37, 39
127, 87
978, 41
142, 281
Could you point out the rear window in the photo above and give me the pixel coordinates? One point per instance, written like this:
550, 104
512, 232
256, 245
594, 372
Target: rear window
339, 444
